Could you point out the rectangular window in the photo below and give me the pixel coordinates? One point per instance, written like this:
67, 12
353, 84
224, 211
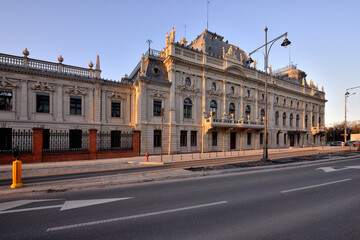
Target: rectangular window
157, 138
314, 140
5, 139
261, 138
284, 138
157, 107
115, 139
307, 137
75, 105
5, 100
46, 139
277, 138
193, 138
42, 103
248, 138
75, 137
115, 109
214, 138
183, 138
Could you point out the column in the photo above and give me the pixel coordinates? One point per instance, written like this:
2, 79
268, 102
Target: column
24, 101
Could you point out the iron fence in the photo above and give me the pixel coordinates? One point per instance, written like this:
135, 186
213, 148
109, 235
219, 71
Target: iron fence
114, 140
23, 139
66, 141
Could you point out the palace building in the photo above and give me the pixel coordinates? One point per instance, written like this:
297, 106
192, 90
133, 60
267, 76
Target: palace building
196, 97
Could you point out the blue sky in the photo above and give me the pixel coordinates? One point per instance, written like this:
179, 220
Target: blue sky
325, 35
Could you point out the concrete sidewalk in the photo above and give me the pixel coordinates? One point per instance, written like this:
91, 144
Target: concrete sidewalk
70, 167
59, 168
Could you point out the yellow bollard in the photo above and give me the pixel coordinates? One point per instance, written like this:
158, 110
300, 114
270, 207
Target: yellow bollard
17, 175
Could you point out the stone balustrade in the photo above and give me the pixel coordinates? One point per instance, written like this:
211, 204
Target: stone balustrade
45, 66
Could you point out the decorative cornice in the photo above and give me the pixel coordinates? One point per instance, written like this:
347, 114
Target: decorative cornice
117, 95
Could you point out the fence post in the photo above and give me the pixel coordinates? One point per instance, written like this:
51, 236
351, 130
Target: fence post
136, 142
38, 144
93, 143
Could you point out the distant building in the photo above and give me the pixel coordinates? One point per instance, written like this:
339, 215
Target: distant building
212, 99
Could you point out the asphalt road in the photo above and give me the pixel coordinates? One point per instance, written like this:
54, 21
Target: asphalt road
302, 202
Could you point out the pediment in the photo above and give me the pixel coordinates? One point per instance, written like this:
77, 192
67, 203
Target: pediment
236, 70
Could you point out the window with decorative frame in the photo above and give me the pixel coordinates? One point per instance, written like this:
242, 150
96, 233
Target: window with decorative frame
75, 105
157, 107
115, 109
6, 99
187, 107
213, 86
193, 138
157, 138
277, 118
183, 138
284, 119
187, 82
42, 102
232, 110
214, 138
213, 108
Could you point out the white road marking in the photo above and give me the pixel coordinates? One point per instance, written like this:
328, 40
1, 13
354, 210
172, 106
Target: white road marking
314, 186
14, 204
331, 169
133, 216
66, 206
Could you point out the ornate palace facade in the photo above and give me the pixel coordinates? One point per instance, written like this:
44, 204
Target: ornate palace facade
195, 97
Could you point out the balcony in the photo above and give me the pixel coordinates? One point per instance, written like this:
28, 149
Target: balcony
212, 122
318, 130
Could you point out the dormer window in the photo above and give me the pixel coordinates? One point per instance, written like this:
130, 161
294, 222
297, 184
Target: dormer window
188, 82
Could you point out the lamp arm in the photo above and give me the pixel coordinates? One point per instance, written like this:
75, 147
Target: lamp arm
272, 41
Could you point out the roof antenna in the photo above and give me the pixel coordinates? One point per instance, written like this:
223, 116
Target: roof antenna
207, 15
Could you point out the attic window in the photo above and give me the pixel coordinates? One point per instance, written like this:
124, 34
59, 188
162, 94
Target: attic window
156, 71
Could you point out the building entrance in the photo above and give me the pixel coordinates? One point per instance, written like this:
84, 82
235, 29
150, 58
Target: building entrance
292, 139
232, 140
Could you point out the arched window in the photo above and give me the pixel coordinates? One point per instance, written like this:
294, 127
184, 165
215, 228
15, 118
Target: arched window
187, 108
277, 99
297, 120
248, 94
262, 96
213, 86
188, 82
276, 118
291, 119
262, 115
313, 121
291, 103
306, 121
248, 112
232, 110
284, 101
213, 108
284, 119
232, 91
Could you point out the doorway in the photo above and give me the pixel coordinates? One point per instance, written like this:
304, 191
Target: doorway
232, 140
292, 139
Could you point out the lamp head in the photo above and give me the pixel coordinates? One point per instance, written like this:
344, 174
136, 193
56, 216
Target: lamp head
286, 42
250, 60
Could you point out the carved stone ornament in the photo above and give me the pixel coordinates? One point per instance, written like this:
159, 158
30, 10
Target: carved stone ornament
5, 83
116, 95
231, 54
249, 99
216, 92
42, 87
158, 94
234, 96
191, 88
76, 91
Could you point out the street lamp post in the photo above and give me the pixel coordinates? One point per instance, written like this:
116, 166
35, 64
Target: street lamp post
285, 43
347, 94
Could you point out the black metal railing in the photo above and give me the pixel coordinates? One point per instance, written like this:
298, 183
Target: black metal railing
23, 139
114, 140
67, 141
